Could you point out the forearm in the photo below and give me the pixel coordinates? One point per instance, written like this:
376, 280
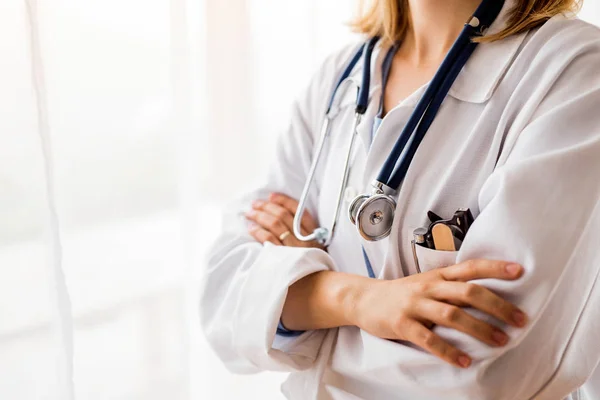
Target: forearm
323, 300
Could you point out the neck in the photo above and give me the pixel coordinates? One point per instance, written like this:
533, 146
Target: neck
433, 27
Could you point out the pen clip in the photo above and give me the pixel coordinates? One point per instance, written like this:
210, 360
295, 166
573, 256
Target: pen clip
414, 250
433, 217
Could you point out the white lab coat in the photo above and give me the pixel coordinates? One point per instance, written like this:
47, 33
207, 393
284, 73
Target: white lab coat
517, 141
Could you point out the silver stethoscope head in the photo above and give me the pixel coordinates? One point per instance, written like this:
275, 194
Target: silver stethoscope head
373, 214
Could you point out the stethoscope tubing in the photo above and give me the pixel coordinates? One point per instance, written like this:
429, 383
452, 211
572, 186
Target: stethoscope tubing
365, 52
415, 140
391, 174
320, 234
344, 184
387, 67
362, 101
344, 75
434, 89
398, 161
324, 235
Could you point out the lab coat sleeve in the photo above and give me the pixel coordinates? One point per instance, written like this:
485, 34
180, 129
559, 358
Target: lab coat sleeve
540, 208
245, 283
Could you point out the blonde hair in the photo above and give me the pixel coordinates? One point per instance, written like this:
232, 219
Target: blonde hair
389, 18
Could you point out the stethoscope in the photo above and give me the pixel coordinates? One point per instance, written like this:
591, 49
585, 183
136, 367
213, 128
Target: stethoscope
373, 213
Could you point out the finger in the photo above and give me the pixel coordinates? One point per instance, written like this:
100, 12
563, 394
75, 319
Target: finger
262, 235
482, 269
263, 215
280, 212
437, 346
288, 220
456, 318
277, 211
292, 206
268, 222
481, 298
284, 201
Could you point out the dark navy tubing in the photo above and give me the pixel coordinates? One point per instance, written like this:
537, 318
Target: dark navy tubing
386, 67
362, 99
415, 118
353, 62
403, 163
362, 102
396, 165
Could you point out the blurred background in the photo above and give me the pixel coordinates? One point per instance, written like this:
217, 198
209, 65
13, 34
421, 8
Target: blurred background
121, 124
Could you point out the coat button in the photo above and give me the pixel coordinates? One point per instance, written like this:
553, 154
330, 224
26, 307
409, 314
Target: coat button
350, 194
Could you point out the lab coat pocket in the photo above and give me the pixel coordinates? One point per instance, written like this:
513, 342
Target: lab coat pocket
431, 259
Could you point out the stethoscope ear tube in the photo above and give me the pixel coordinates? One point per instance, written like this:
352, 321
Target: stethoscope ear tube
345, 74
320, 234
374, 215
324, 235
362, 101
439, 86
401, 168
389, 167
485, 15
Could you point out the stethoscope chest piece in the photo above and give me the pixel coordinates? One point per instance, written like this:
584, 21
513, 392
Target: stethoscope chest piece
355, 206
375, 216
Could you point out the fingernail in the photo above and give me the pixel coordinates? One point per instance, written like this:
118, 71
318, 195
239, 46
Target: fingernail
519, 318
464, 361
513, 269
500, 337
250, 213
273, 196
257, 203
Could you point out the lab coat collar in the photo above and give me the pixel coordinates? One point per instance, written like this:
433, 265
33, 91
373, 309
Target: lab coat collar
479, 77
475, 84
488, 64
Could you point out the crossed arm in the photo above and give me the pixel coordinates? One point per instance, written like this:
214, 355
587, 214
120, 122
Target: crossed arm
402, 309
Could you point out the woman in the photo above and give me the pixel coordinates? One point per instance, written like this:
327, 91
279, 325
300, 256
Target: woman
516, 140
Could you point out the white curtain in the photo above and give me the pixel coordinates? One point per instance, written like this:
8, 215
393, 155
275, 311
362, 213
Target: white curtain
122, 123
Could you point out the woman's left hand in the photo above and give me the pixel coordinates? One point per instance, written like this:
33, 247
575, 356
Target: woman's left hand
273, 222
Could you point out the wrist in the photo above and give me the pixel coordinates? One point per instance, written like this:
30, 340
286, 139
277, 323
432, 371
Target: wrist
348, 296
324, 300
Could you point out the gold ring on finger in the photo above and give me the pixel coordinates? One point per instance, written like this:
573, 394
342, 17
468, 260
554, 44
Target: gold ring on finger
284, 235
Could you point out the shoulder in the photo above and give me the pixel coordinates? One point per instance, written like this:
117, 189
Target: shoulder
563, 30
331, 67
553, 86
560, 59
561, 41
316, 96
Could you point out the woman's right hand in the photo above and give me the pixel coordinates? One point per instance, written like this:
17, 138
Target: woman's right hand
273, 221
407, 308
